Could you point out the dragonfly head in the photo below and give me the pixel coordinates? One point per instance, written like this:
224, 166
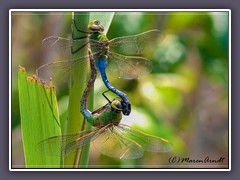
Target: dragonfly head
95, 26
117, 104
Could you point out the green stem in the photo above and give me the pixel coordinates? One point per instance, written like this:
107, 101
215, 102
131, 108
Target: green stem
75, 122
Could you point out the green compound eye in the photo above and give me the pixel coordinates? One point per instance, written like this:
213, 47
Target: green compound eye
96, 22
116, 104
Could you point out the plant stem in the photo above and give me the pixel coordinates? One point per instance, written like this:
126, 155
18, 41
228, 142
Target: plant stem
75, 122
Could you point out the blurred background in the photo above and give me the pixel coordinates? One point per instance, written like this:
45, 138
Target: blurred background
184, 99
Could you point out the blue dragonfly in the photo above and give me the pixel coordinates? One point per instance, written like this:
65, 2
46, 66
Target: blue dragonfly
117, 56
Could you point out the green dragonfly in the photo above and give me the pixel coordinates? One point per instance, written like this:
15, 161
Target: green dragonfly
119, 56
108, 136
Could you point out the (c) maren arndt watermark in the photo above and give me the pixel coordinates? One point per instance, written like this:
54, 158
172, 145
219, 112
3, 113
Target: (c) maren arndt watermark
206, 160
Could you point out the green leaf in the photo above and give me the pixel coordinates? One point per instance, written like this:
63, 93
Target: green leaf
39, 120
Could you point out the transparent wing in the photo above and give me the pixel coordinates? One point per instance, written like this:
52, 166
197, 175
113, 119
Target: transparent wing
122, 66
62, 64
58, 45
111, 143
137, 44
67, 144
148, 142
62, 47
128, 67
60, 71
56, 144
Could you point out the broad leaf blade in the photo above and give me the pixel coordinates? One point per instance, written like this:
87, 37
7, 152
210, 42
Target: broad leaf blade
39, 119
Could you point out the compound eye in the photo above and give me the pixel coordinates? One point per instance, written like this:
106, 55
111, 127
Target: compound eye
97, 22
119, 106
116, 104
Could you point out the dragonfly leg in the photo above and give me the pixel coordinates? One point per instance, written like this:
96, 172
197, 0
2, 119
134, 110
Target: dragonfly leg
101, 64
126, 102
76, 50
74, 24
77, 38
106, 96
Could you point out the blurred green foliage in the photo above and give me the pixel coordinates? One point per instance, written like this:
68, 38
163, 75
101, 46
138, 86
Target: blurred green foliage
184, 99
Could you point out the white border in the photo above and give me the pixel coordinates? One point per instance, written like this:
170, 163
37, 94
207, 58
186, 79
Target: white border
120, 10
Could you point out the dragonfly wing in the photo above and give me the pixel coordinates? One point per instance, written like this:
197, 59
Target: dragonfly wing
128, 67
72, 146
137, 44
148, 142
57, 46
111, 143
54, 145
67, 144
61, 71
61, 48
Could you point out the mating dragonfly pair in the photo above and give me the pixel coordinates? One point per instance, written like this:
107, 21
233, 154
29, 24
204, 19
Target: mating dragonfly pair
108, 135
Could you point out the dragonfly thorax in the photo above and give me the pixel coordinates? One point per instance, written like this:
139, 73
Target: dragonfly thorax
98, 36
111, 113
102, 44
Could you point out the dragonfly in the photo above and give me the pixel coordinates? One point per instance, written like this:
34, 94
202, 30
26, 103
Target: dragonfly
119, 56
108, 136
